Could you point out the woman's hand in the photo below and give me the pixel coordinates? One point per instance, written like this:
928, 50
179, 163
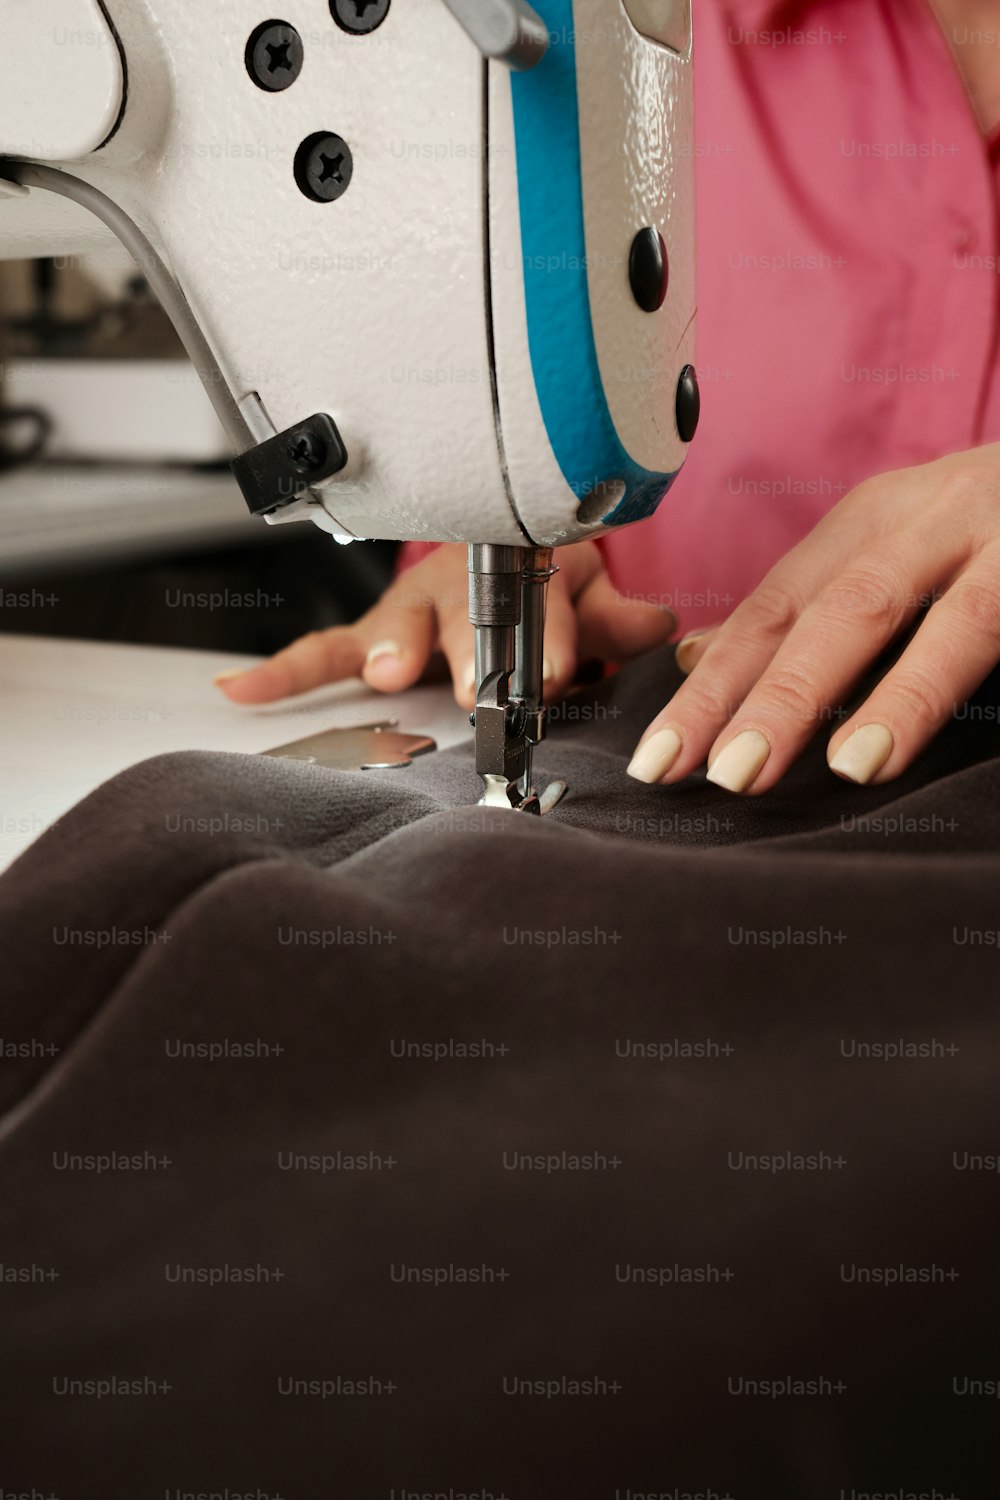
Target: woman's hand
427, 609
762, 684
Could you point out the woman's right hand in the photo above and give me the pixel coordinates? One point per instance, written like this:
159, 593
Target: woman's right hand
427, 609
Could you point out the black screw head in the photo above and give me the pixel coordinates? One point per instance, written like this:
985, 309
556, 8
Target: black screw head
648, 270
324, 167
517, 718
306, 452
359, 17
687, 407
274, 56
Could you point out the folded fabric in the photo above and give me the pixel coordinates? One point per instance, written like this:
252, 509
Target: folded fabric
361, 1142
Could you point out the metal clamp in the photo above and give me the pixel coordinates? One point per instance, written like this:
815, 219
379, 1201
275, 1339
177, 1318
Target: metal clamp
280, 469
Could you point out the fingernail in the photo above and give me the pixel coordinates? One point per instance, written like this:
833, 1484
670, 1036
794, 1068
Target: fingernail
863, 753
684, 654
469, 683
654, 758
228, 676
547, 671
737, 766
380, 649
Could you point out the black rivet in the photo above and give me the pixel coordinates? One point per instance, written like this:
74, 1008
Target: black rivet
688, 404
274, 56
324, 167
359, 17
648, 269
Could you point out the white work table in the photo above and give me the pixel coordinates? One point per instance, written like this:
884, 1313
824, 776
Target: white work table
78, 712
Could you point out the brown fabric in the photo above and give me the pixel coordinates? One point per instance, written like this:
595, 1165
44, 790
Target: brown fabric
644, 898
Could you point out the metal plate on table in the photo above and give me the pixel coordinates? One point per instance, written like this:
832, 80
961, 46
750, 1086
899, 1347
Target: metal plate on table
358, 747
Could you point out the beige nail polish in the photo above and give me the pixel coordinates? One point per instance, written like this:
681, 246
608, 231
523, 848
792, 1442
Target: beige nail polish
547, 672
684, 654
653, 759
228, 676
863, 753
382, 648
737, 766
469, 683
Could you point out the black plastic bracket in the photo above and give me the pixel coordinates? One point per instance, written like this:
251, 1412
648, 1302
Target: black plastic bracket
281, 469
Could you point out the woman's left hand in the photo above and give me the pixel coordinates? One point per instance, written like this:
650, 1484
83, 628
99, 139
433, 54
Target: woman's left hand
778, 669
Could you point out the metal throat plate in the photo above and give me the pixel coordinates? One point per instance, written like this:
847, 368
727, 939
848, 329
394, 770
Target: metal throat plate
358, 747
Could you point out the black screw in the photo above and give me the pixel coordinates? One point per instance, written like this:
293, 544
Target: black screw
306, 452
517, 718
274, 56
324, 167
359, 17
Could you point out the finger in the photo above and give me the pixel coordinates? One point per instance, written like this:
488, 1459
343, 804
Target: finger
457, 640
678, 740
389, 647
953, 651
577, 565
616, 627
692, 648
835, 640
395, 661
399, 634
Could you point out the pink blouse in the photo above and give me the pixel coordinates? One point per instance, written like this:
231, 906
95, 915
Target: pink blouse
848, 260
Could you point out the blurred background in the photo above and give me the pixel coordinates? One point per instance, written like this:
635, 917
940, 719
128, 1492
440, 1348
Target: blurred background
117, 509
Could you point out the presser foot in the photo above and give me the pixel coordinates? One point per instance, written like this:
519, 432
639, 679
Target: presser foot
498, 792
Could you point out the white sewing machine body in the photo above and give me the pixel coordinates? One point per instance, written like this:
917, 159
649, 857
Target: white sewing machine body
464, 309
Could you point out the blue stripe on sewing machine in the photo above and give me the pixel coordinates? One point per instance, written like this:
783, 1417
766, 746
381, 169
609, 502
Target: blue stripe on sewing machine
564, 359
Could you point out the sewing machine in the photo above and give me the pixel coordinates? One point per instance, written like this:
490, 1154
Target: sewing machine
432, 259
